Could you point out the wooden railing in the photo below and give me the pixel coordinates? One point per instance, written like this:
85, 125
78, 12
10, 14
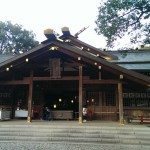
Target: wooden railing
144, 119
139, 119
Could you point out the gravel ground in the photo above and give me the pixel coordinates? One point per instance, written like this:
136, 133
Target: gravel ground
66, 146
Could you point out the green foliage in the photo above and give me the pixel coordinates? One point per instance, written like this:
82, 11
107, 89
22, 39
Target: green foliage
13, 38
117, 18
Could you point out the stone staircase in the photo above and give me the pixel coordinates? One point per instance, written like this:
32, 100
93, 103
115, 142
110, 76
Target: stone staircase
130, 135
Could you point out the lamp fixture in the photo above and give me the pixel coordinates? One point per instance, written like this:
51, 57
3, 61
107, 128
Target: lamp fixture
95, 63
79, 58
53, 48
121, 76
60, 100
72, 101
7, 69
55, 106
27, 59
107, 58
99, 67
67, 40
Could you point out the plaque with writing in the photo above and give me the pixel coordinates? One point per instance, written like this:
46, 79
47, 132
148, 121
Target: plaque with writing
55, 68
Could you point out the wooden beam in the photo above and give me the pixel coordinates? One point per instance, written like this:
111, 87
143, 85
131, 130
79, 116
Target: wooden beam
100, 75
86, 80
14, 82
30, 98
50, 78
62, 78
121, 118
80, 93
97, 81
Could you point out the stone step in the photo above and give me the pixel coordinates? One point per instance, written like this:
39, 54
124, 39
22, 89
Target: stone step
73, 139
91, 135
70, 133
84, 134
76, 130
78, 137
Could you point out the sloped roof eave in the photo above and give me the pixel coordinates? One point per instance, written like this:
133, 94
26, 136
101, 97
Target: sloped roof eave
128, 73
25, 54
74, 39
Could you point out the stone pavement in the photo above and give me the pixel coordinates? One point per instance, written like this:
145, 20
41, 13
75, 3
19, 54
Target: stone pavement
69, 123
111, 135
67, 146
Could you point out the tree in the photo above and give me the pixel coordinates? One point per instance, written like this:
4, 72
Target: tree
119, 18
15, 39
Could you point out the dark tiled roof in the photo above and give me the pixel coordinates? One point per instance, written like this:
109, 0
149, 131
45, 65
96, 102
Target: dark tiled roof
133, 59
131, 56
4, 57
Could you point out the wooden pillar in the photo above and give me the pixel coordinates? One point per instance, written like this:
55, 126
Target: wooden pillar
117, 99
100, 75
13, 105
100, 100
29, 119
80, 93
117, 104
120, 97
83, 97
104, 98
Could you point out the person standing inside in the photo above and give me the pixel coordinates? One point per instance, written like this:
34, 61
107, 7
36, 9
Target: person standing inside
43, 113
85, 113
47, 112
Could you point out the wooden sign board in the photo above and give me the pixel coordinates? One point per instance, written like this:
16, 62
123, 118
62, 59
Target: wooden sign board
55, 71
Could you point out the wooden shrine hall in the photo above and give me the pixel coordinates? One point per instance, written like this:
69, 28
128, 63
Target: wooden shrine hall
65, 74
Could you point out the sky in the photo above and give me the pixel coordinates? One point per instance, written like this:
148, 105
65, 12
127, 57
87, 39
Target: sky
38, 15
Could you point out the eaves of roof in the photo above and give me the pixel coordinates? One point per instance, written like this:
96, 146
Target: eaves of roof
108, 65
103, 54
131, 75
4, 57
25, 54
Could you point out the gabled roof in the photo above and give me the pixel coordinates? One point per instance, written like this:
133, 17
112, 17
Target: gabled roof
75, 51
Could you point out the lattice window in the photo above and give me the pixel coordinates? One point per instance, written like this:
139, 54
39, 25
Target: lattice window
92, 98
110, 99
136, 99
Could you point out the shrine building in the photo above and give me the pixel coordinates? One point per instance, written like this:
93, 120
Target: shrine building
66, 74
